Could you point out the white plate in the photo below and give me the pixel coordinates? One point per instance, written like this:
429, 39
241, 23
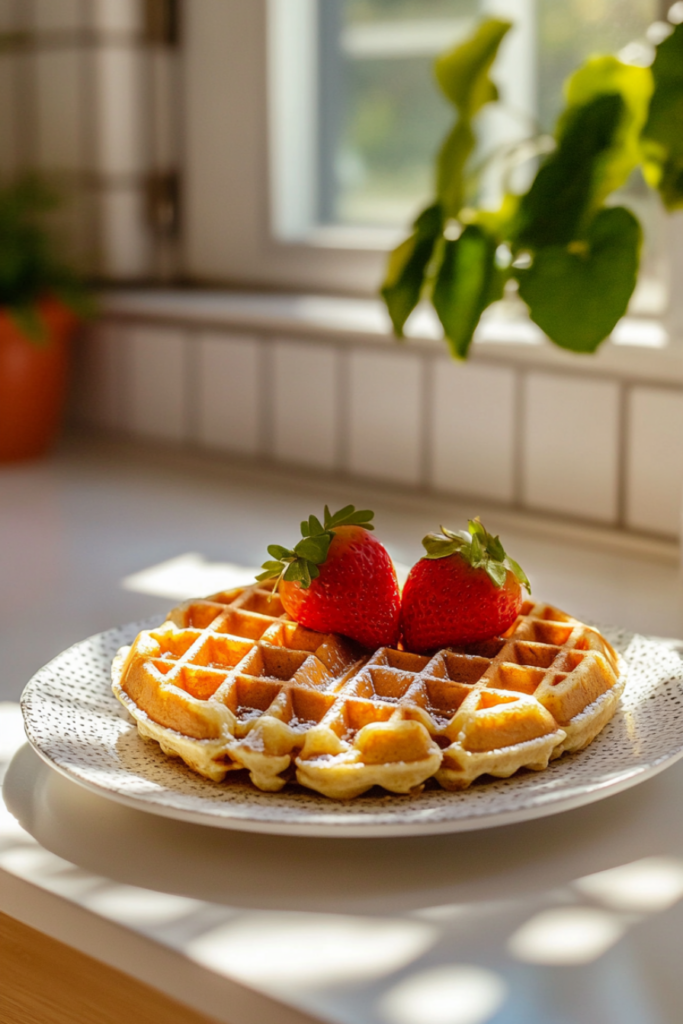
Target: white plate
75, 724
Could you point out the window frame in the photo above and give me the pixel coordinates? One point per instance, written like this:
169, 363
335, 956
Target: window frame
227, 153
230, 241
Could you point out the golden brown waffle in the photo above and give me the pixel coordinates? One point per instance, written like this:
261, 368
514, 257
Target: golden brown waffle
231, 682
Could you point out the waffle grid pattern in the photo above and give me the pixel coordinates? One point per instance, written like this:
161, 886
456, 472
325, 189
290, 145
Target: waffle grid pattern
230, 682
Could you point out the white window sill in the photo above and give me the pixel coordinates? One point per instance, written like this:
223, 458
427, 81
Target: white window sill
639, 349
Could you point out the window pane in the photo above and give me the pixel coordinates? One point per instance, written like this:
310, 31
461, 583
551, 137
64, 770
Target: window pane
382, 118
571, 30
381, 115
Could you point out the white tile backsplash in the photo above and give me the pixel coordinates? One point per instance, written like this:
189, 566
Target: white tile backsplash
571, 446
305, 381
385, 418
473, 429
230, 393
654, 475
157, 386
59, 111
101, 382
479, 430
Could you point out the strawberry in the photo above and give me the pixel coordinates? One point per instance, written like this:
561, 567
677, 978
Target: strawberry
339, 579
465, 589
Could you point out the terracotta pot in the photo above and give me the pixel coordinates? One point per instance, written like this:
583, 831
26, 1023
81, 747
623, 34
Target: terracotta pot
33, 383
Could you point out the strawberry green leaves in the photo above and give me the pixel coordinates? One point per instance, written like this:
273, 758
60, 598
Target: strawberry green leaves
573, 255
479, 548
300, 563
662, 138
348, 516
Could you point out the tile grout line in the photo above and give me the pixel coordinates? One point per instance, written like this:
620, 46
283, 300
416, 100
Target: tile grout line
518, 424
191, 389
266, 428
623, 434
343, 412
426, 455
124, 375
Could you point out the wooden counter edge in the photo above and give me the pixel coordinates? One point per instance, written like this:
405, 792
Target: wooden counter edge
48, 982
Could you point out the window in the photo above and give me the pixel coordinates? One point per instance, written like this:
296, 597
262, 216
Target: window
350, 120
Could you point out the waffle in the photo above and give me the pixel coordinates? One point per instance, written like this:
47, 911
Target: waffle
230, 682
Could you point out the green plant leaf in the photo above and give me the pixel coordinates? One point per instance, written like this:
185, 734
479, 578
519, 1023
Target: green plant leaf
29, 321
552, 211
75, 297
30, 268
454, 153
576, 294
607, 75
662, 138
407, 267
463, 76
466, 283
463, 72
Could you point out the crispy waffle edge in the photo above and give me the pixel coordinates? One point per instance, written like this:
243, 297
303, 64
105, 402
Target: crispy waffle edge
230, 682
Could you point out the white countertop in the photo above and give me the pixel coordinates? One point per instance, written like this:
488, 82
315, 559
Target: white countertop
574, 919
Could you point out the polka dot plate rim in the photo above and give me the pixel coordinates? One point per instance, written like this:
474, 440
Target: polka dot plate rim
75, 724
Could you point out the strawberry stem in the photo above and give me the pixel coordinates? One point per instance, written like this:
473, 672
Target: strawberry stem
301, 563
479, 548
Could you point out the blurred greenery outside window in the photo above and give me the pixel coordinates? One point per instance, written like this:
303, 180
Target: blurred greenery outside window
379, 117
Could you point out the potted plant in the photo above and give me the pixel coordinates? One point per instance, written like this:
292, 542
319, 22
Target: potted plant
570, 253
41, 301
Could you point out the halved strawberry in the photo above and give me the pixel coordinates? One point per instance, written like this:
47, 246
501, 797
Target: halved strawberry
339, 579
465, 589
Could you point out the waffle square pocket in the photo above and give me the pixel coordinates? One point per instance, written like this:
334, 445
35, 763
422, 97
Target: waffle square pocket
231, 682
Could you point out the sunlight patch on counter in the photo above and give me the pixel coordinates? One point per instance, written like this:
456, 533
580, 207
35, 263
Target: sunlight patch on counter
458, 994
292, 951
565, 936
189, 575
652, 884
140, 908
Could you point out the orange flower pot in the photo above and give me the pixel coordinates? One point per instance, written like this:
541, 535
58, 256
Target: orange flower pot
33, 383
